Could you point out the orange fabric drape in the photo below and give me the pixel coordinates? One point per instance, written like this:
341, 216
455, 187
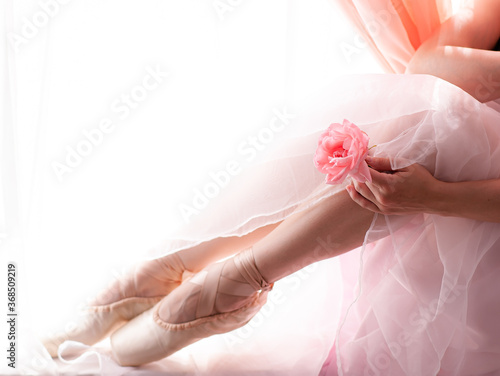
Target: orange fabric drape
394, 29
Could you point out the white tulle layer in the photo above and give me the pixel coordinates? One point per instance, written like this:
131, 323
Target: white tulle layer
422, 301
411, 119
427, 303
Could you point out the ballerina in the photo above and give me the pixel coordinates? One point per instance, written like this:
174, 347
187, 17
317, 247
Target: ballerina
223, 296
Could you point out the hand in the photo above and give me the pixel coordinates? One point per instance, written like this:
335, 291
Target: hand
409, 190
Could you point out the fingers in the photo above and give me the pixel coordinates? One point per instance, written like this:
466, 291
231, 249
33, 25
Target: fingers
382, 180
379, 164
360, 200
364, 190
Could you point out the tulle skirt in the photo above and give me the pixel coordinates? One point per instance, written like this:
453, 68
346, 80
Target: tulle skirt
419, 295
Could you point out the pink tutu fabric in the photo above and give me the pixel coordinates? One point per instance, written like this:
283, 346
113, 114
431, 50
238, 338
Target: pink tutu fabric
423, 304
421, 300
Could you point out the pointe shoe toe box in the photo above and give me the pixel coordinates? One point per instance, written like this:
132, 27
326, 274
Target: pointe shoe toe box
99, 322
147, 338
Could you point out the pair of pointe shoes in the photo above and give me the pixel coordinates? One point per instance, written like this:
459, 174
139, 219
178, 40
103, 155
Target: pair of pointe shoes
100, 320
147, 338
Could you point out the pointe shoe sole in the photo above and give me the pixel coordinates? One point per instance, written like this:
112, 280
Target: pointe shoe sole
147, 338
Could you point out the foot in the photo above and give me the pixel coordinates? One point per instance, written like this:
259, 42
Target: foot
123, 300
153, 278
219, 299
181, 305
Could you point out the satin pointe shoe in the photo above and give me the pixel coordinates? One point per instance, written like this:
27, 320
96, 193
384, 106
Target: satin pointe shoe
148, 337
123, 301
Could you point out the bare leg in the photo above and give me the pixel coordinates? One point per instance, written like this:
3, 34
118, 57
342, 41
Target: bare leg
198, 257
227, 295
294, 244
290, 247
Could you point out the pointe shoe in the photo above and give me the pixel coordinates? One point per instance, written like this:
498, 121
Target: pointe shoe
148, 338
100, 320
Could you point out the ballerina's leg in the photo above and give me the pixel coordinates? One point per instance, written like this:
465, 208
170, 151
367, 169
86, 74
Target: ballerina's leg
228, 294
294, 244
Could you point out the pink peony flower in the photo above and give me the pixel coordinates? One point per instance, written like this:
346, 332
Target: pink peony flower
341, 151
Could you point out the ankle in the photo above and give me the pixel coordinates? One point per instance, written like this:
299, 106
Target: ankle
246, 265
227, 300
231, 272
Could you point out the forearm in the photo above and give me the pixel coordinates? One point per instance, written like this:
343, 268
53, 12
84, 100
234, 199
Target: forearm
475, 71
478, 200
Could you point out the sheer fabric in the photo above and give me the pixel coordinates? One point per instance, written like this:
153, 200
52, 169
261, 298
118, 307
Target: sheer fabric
394, 29
418, 303
421, 305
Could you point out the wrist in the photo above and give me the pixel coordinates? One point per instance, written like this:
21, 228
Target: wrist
442, 199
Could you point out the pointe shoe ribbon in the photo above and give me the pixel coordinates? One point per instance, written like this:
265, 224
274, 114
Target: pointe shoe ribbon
148, 338
245, 264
